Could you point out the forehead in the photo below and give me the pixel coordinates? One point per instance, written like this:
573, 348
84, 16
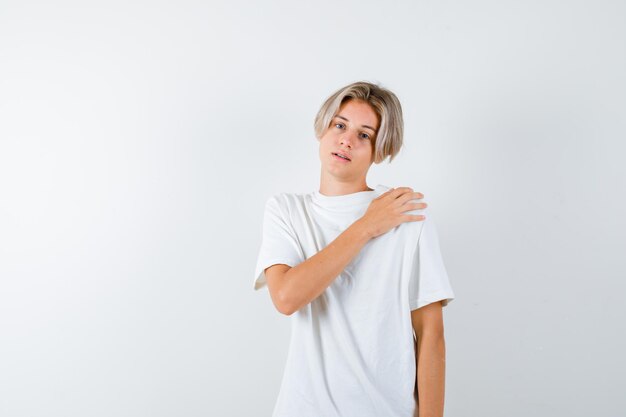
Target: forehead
359, 113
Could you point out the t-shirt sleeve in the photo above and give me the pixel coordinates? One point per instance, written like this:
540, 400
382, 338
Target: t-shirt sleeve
429, 279
279, 244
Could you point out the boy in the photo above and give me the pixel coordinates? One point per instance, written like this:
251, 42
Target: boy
359, 272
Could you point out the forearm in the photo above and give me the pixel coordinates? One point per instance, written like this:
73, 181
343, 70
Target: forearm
307, 280
431, 366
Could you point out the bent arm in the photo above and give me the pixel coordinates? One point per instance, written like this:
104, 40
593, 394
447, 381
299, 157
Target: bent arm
291, 288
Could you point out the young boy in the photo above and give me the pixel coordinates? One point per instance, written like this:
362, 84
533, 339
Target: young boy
360, 272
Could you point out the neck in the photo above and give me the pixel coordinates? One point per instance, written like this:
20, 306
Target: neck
342, 188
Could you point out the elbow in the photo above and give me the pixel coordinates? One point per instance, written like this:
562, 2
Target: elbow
279, 290
284, 304
285, 309
287, 301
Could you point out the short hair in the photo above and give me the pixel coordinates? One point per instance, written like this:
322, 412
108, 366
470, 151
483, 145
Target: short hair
388, 139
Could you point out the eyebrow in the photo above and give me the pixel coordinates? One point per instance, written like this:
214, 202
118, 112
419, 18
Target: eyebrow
366, 126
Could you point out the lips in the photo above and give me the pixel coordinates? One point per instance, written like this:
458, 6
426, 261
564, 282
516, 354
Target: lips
341, 155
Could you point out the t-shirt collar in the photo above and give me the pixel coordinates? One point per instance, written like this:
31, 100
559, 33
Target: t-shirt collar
347, 200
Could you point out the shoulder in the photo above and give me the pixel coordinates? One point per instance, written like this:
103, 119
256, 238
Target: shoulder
286, 198
285, 202
429, 237
419, 232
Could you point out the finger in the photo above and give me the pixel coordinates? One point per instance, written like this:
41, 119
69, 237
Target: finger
401, 190
414, 217
404, 198
386, 193
413, 208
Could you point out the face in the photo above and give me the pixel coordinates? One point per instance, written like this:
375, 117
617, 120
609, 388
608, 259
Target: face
351, 132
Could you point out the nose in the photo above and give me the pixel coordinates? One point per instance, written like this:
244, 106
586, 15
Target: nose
347, 139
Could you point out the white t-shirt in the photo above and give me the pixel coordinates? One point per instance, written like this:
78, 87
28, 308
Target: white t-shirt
352, 348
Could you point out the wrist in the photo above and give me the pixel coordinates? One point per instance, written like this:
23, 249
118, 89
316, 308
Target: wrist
362, 230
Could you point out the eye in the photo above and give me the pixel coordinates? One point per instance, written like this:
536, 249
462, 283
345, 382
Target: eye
365, 136
339, 124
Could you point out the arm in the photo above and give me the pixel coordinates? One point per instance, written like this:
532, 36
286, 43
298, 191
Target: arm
430, 359
292, 288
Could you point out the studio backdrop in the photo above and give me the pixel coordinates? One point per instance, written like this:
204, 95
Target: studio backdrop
139, 142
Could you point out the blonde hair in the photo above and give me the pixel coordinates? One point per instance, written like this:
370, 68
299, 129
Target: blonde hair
388, 139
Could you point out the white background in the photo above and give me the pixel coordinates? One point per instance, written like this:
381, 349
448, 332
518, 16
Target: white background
139, 142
